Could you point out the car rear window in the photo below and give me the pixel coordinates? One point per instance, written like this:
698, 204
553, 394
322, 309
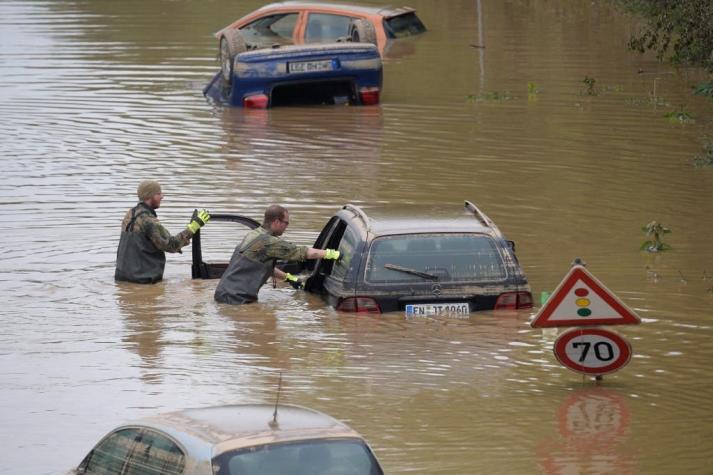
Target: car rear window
441, 257
407, 24
343, 456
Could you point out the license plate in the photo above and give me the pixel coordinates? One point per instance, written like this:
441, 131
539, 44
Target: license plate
310, 66
429, 309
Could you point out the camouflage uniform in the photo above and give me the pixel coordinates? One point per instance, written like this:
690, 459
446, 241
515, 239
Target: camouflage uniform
253, 262
141, 255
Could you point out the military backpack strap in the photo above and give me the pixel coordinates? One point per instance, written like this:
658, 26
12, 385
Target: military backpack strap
248, 245
134, 217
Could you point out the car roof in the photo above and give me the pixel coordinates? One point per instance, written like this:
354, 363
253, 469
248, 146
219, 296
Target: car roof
385, 11
244, 425
410, 219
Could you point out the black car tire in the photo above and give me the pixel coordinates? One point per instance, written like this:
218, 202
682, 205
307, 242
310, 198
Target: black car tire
362, 31
231, 44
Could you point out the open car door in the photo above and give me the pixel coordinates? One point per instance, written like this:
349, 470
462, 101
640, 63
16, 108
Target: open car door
214, 270
203, 270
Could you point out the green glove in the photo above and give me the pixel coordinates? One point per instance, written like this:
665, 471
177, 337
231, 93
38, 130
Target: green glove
200, 220
331, 254
293, 281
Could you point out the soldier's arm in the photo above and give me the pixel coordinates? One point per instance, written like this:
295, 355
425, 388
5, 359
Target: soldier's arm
281, 249
162, 239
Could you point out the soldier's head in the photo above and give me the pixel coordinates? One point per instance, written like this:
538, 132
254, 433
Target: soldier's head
149, 192
276, 219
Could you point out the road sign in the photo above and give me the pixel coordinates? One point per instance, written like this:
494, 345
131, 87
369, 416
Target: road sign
593, 351
581, 299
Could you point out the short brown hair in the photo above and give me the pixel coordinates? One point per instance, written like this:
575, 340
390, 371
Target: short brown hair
272, 213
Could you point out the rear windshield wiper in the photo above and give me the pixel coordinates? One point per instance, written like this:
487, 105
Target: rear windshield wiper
408, 270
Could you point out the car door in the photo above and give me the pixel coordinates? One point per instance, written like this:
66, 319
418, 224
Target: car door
214, 270
272, 29
327, 27
337, 279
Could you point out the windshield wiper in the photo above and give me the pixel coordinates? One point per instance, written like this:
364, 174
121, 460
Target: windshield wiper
408, 270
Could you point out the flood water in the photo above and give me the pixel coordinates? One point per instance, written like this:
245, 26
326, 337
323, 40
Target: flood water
97, 96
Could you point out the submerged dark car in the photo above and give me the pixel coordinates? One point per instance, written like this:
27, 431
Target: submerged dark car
417, 262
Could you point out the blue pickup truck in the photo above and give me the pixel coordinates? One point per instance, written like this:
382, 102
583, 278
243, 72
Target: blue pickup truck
328, 73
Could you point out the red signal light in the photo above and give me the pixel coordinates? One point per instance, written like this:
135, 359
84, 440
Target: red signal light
513, 301
256, 101
359, 304
369, 96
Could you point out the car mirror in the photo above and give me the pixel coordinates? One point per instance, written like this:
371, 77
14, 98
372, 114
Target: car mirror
512, 245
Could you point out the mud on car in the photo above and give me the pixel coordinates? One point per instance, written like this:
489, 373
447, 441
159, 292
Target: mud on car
414, 261
303, 53
243, 439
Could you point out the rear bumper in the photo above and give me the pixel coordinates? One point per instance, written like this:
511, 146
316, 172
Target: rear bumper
261, 71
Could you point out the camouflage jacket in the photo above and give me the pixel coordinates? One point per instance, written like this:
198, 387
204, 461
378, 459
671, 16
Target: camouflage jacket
147, 223
272, 247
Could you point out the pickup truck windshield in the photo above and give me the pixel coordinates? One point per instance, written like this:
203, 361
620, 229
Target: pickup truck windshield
343, 456
447, 257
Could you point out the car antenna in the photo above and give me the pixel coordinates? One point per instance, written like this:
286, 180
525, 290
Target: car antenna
273, 422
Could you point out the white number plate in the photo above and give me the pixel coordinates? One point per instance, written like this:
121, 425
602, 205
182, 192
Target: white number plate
426, 309
311, 66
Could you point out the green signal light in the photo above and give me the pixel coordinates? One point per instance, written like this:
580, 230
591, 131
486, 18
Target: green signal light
584, 312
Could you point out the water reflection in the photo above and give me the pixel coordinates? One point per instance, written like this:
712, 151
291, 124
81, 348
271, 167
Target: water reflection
144, 308
594, 428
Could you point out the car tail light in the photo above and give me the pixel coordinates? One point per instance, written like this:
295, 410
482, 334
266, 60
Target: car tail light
257, 101
369, 96
513, 301
359, 304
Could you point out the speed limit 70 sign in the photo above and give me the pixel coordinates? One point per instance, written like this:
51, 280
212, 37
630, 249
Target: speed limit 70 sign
592, 351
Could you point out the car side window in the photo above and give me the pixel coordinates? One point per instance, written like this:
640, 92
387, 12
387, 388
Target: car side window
271, 29
155, 454
346, 250
110, 455
326, 28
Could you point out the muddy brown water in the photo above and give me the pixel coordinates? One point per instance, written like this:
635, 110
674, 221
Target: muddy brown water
95, 96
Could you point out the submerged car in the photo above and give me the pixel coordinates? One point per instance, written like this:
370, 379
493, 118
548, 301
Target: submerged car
334, 73
233, 440
299, 22
417, 262
301, 53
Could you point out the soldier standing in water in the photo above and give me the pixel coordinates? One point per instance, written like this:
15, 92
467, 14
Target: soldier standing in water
144, 241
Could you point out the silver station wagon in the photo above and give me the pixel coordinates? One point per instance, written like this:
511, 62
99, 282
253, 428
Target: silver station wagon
233, 440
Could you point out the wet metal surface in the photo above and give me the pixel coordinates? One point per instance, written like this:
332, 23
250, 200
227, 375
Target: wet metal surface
95, 96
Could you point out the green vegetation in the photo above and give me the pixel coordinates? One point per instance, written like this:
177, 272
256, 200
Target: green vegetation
704, 89
681, 30
589, 82
490, 96
654, 231
705, 158
679, 116
593, 91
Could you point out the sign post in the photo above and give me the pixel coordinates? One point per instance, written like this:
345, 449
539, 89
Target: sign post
582, 300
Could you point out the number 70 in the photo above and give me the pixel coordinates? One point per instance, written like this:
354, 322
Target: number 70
600, 353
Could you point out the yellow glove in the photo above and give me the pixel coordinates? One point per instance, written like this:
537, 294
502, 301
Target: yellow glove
293, 281
331, 254
200, 220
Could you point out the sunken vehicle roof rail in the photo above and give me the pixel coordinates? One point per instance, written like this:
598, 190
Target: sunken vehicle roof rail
359, 212
482, 217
